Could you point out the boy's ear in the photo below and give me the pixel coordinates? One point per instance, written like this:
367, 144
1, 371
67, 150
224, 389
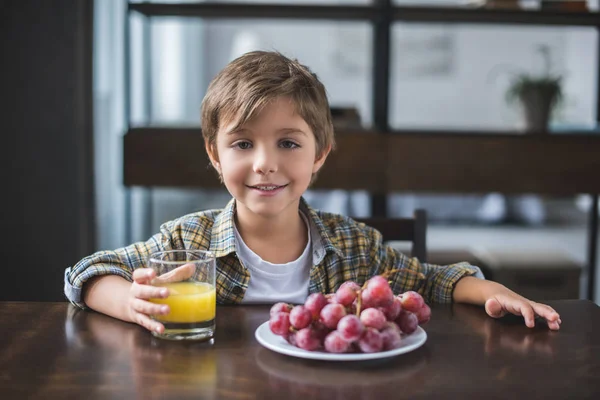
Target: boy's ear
321, 160
214, 160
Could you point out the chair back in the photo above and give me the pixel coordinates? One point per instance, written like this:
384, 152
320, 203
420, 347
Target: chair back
412, 230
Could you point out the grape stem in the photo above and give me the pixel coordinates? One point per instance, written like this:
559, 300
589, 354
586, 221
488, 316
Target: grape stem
359, 301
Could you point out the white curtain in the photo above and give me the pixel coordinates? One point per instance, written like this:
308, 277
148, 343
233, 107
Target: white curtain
167, 86
109, 120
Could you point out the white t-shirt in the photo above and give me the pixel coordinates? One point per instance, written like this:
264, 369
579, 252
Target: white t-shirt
271, 283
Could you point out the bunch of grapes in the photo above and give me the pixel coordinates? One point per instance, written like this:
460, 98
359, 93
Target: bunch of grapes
364, 319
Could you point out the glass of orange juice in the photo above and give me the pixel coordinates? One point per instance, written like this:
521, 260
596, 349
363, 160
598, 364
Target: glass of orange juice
190, 277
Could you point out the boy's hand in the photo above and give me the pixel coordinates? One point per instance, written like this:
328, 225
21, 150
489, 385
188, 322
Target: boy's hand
500, 300
499, 305
139, 308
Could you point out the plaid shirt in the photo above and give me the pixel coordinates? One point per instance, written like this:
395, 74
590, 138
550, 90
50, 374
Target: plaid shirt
342, 249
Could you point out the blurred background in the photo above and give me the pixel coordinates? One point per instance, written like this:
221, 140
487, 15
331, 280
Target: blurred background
81, 74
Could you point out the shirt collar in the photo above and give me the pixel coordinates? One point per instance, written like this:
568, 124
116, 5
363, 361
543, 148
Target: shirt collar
321, 241
223, 234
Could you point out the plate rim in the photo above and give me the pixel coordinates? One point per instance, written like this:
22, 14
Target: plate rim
320, 355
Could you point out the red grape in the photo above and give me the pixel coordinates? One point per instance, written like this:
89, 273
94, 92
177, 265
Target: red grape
352, 285
371, 341
280, 323
373, 318
367, 299
315, 303
411, 301
391, 312
331, 315
345, 295
329, 322
380, 291
291, 338
320, 330
391, 338
424, 314
391, 325
335, 343
350, 328
407, 322
300, 317
377, 280
307, 340
280, 307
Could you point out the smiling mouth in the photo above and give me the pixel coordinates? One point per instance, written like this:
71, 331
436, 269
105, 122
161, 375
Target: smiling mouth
267, 188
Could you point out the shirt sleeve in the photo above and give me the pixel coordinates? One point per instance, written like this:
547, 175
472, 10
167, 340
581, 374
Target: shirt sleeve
434, 282
121, 262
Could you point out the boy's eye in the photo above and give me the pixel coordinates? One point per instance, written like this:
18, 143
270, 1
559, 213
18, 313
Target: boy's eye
288, 144
243, 145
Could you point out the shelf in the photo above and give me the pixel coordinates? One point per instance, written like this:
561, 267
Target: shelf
230, 10
403, 161
487, 16
405, 14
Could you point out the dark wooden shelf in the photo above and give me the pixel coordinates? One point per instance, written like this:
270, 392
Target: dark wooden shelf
232, 10
488, 16
560, 164
333, 12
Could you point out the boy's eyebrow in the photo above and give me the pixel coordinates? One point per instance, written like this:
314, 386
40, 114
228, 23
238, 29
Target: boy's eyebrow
235, 131
282, 130
292, 130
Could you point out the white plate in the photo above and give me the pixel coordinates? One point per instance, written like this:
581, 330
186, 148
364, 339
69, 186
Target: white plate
276, 343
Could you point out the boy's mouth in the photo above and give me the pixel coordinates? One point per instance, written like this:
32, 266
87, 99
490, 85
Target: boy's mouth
267, 188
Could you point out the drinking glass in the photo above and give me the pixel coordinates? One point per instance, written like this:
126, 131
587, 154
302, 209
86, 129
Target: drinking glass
189, 275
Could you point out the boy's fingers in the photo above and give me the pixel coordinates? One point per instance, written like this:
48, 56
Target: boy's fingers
549, 314
149, 292
148, 308
527, 312
143, 275
546, 311
527, 309
553, 325
148, 323
494, 308
179, 274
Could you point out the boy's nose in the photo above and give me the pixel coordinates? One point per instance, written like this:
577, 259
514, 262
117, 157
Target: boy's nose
265, 162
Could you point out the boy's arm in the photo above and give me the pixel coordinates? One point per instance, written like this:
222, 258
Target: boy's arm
108, 294
468, 290
435, 283
120, 262
458, 283
500, 300
115, 296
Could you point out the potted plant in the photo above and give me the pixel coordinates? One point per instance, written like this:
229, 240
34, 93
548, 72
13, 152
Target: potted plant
538, 95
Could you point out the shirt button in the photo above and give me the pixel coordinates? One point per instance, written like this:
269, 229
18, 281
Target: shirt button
237, 290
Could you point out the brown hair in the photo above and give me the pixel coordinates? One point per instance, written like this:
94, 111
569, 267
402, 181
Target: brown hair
248, 83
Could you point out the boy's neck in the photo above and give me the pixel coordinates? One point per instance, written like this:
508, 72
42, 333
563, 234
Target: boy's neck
278, 239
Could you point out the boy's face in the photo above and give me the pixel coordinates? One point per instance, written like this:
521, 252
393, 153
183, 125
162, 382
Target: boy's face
268, 164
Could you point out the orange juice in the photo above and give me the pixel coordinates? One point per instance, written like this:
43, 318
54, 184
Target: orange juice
190, 302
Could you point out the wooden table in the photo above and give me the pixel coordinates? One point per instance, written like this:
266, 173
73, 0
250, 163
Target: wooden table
53, 351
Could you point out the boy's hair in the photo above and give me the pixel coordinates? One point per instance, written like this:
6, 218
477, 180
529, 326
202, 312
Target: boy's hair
251, 81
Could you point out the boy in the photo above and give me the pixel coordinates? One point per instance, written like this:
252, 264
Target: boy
267, 128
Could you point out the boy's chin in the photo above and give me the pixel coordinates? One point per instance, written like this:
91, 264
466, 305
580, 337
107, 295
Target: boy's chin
268, 209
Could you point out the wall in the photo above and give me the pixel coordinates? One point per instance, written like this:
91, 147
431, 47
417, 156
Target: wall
47, 175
